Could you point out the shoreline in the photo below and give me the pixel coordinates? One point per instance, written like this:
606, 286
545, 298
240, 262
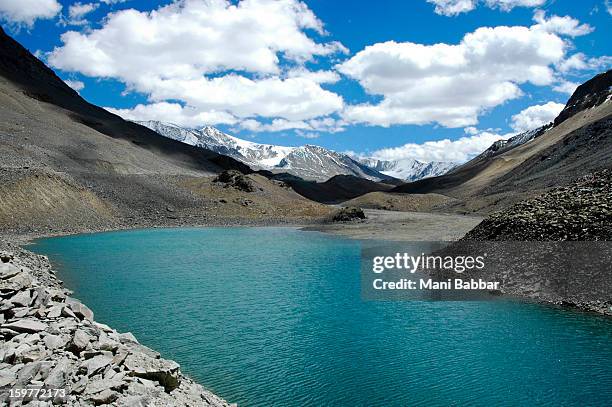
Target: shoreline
51, 340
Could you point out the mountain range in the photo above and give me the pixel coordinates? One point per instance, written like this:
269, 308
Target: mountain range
68, 164
309, 162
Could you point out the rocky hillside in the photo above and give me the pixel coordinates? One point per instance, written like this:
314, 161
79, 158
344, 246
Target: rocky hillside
50, 339
579, 211
68, 165
579, 142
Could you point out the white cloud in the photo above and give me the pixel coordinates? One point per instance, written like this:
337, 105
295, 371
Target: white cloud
149, 52
455, 7
460, 150
248, 36
567, 87
291, 98
174, 113
306, 134
609, 6
536, 116
580, 62
561, 25
77, 12
28, 11
451, 84
76, 85
327, 124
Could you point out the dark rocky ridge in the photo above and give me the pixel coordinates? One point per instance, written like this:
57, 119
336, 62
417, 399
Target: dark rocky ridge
593, 92
39, 82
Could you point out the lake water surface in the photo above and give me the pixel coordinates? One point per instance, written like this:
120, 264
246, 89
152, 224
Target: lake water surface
274, 316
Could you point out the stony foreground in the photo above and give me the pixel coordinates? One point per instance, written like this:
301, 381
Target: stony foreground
49, 339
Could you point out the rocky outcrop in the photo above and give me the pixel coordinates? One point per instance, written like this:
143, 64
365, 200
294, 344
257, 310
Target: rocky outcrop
592, 93
579, 211
348, 214
235, 179
51, 340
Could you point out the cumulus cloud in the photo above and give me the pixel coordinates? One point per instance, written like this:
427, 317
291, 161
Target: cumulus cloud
76, 85
580, 62
561, 25
451, 84
327, 124
174, 113
78, 11
290, 98
566, 87
455, 7
446, 150
536, 116
26, 12
214, 56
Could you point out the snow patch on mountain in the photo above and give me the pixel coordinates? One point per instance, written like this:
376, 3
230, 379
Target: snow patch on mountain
408, 169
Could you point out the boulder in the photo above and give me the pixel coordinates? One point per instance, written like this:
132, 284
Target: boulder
164, 372
57, 377
79, 309
54, 341
22, 298
104, 397
235, 179
96, 365
26, 325
8, 270
106, 343
348, 214
55, 311
79, 342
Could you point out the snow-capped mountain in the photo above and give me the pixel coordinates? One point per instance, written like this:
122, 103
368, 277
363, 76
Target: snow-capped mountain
408, 169
504, 145
307, 162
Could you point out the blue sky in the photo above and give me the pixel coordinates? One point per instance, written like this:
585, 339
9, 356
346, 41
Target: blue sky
348, 75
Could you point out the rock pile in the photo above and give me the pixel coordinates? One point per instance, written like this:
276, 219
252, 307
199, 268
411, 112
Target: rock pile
235, 179
348, 214
50, 340
580, 211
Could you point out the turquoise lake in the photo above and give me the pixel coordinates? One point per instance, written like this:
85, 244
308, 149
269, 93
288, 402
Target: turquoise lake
274, 317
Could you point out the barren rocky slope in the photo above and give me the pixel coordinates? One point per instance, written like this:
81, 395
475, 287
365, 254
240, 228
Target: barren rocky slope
70, 166
580, 211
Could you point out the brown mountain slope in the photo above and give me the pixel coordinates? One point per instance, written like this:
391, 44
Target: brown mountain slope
575, 146
66, 164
